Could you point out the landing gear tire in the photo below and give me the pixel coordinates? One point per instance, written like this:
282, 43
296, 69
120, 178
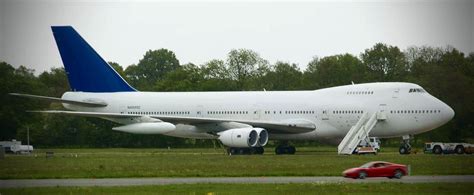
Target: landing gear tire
258, 150
245, 151
459, 150
403, 150
231, 151
285, 150
291, 150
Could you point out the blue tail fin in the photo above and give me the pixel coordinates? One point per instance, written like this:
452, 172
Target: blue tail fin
86, 70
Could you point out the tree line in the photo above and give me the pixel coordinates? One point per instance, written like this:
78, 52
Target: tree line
444, 72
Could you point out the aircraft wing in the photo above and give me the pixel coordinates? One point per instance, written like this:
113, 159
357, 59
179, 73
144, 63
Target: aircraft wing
287, 126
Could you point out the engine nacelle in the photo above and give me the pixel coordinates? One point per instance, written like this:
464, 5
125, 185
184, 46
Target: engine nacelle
244, 137
147, 128
262, 136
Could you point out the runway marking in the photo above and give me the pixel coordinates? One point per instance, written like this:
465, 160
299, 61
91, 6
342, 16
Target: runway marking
22, 183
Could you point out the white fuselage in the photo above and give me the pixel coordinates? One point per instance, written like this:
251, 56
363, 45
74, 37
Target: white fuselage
333, 110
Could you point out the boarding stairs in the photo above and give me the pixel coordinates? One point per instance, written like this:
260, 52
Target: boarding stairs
359, 132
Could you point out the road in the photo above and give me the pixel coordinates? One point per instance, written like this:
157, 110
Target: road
21, 183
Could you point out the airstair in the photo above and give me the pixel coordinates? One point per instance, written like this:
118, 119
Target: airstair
359, 132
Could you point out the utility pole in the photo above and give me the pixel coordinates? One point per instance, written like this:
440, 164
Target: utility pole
28, 138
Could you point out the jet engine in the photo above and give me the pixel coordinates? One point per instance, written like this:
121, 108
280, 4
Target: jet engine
244, 137
262, 137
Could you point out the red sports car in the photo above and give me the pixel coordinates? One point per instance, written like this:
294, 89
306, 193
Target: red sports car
377, 169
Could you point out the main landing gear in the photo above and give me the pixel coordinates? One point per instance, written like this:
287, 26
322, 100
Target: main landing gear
405, 147
245, 151
285, 148
281, 149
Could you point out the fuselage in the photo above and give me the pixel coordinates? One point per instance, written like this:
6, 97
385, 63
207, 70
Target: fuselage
407, 107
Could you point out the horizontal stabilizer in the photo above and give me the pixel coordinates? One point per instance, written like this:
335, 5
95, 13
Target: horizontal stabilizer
89, 103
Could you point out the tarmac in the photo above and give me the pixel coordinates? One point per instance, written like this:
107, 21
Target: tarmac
25, 183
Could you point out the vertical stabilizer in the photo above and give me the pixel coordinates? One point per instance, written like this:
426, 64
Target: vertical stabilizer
85, 69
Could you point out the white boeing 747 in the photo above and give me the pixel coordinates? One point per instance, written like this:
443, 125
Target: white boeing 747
244, 121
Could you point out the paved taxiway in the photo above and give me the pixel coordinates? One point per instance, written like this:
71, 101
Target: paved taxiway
20, 183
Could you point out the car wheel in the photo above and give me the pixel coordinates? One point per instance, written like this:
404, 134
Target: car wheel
437, 150
459, 150
397, 174
362, 175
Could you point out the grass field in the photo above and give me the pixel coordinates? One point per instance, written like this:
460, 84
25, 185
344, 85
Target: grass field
385, 188
113, 163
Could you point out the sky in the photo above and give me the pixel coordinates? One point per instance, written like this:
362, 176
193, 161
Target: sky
199, 31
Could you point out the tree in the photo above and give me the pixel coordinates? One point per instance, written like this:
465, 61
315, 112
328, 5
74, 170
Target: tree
55, 81
185, 78
215, 69
153, 67
216, 77
335, 70
470, 65
244, 65
283, 76
386, 62
118, 69
12, 110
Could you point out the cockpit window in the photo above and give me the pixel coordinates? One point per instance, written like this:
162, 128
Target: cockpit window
417, 90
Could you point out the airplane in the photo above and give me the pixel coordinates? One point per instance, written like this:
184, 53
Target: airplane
243, 121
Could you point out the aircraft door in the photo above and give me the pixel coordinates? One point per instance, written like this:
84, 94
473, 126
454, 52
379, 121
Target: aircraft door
122, 109
199, 111
325, 115
382, 115
383, 108
396, 93
257, 112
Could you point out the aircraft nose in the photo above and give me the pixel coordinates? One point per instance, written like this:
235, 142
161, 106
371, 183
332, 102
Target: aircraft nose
448, 113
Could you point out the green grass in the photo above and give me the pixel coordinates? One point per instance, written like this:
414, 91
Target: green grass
369, 188
114, 163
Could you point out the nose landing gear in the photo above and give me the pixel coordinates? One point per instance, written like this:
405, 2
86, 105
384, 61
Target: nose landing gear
405, 147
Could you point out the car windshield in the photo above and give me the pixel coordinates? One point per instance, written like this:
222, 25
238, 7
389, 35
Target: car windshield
367, 165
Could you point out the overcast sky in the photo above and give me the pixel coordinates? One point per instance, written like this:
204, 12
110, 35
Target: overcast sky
198, 31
